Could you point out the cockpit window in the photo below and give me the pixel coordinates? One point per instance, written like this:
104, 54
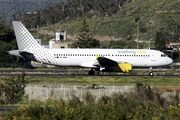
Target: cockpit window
163, 55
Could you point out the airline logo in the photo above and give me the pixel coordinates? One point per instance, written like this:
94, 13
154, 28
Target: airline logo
127, 51
132, 52
141, 52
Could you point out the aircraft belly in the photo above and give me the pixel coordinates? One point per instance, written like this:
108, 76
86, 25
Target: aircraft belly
141, 63
72, 61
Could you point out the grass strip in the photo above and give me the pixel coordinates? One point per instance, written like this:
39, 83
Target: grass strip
103, 81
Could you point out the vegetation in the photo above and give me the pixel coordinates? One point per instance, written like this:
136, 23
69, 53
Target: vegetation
175, 56
7, 42
142, 102
159, 41
85, 39
70, 10
15, 7
12, 90
116, 18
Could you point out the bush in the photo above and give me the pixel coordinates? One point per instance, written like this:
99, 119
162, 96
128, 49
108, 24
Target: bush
142, 102
12, 89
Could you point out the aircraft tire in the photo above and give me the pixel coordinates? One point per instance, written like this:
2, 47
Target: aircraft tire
91, 72
151, 73
100, 73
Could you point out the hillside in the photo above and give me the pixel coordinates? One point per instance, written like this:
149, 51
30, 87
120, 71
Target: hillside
10, 7
117, 22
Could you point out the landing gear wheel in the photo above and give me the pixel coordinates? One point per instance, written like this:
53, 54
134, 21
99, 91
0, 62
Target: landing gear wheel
151, 73
100, 73
91, 72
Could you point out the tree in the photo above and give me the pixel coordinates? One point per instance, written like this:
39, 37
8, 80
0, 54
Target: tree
3, 19
136, 19
159, 41
8, 42
85, 39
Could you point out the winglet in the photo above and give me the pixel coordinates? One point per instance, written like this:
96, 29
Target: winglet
96, 56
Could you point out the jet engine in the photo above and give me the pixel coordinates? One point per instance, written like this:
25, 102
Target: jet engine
122, 67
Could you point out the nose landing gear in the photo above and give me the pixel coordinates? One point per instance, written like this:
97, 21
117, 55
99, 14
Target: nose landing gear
150, 71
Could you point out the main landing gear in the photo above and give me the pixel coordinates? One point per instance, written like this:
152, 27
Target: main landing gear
91, 72
150, 71
99, 72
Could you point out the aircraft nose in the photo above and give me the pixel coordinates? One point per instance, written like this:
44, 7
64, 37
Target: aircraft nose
169, 61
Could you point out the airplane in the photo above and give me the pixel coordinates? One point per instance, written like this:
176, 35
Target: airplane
99, 60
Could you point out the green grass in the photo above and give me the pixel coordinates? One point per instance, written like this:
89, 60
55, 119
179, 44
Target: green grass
103, 81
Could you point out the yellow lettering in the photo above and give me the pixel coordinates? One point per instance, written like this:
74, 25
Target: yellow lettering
141, 52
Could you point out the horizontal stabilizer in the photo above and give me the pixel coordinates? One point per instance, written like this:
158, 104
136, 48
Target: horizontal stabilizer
19, 53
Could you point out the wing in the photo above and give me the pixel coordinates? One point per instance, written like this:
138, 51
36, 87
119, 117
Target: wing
103, 61
107, 65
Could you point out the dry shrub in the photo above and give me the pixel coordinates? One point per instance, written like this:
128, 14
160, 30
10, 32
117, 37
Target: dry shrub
88, 97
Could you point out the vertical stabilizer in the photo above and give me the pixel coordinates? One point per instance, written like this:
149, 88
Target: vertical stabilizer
28, 45
24, 39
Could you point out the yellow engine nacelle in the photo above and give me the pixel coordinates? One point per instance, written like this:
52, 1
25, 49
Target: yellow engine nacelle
122, 67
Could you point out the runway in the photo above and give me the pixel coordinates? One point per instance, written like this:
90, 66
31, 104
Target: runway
79, 73
57, 75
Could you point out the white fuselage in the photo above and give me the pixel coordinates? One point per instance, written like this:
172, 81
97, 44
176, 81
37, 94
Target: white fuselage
110, 60
86, 57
